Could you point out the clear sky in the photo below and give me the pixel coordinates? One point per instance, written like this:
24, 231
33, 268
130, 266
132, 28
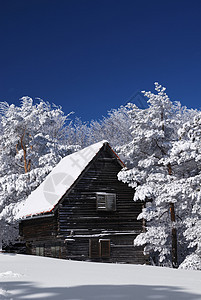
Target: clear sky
92, 55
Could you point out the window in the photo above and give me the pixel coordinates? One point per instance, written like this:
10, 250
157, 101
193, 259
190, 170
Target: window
99, 248
40, 251
55, 251
106, 201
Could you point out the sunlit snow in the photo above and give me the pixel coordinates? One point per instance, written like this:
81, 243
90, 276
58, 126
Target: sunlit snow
48, 278
47, 195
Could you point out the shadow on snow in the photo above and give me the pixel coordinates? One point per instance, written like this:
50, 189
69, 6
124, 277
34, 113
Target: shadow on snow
27, 290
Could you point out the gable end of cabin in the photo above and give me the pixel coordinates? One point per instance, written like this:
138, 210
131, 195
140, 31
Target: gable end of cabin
96, 220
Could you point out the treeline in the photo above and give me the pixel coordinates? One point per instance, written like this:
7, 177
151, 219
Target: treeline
34, 137
160, 145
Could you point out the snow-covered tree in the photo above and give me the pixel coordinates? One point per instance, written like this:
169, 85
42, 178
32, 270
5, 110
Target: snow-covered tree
154, 130
185, 156
115, 127
78, 133
33, 139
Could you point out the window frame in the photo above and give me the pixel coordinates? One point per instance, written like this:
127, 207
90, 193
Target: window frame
40, 251
97, 249
55, 251
104, 201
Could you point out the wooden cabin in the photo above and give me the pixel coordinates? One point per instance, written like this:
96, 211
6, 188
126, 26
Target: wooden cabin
82, 212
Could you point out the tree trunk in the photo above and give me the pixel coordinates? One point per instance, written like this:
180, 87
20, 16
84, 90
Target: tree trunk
174, 237
174, 230
172, 214
27, 165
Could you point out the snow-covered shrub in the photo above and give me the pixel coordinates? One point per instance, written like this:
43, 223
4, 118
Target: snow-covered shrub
191, 262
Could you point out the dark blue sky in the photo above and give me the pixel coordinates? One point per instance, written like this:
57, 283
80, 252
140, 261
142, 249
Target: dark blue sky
92, 55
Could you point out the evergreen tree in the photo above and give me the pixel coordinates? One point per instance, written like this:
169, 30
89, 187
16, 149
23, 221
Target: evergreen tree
32, 142
154, 131
185, 156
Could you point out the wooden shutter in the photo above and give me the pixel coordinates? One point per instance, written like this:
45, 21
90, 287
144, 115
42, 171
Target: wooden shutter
111, 201
104, 248
101, 201
106, 201
93, 248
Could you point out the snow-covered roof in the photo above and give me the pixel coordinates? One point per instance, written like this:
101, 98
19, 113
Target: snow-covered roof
58, 181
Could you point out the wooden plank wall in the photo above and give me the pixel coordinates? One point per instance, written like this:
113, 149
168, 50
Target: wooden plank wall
39, 228
78, 220
78, 210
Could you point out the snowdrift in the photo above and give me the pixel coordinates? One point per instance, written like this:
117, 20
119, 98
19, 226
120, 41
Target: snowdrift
32, 277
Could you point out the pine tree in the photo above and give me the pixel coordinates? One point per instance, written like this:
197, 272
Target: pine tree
185, 155
33, 140
154, 131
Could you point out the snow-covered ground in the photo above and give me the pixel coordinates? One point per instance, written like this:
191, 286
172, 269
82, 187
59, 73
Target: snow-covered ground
31, 277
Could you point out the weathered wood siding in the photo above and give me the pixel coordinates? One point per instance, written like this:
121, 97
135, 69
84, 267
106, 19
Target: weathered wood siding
121, 250
80, 220
77, 220
78, 209
39, 229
